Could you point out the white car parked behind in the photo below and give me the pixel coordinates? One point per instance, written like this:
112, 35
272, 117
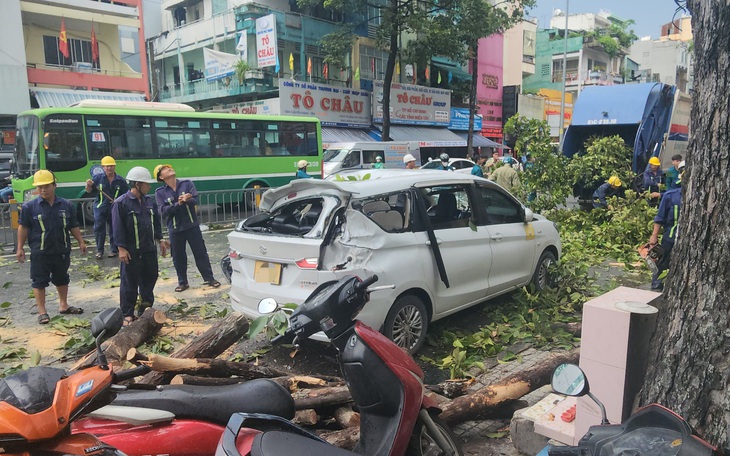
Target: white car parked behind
447, 241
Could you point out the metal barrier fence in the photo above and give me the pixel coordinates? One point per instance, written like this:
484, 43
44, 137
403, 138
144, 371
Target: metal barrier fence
215, 209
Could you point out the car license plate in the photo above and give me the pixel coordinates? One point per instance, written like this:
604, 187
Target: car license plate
267, 272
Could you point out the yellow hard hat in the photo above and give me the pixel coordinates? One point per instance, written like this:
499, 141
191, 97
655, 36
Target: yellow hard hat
654, 161
43, 177
302, 164
615, 181
108, 161
158, 168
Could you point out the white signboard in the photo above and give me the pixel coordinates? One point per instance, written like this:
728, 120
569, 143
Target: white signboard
334, 106
266, 41
242, 46
412, 104
218, 64
269, 106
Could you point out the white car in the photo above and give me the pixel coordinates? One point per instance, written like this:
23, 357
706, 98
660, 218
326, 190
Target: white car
460, 165
447, 241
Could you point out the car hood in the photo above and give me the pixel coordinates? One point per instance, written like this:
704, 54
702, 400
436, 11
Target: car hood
297, 189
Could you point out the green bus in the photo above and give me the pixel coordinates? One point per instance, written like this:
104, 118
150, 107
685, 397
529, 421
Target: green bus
217, 151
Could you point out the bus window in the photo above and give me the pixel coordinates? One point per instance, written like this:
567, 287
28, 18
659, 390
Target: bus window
183, 138
63, 142
120, 137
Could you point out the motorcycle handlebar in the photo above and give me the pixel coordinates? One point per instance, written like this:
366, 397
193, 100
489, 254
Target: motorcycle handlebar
130, 373
366, 283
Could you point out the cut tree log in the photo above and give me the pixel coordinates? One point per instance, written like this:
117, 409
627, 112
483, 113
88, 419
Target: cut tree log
116, 347
210, 367
321, 397
211, 343
291, 382
185, 379
306, 417
345, 438
346, 417
475, 405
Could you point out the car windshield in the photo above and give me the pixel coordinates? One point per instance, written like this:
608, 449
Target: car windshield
334, 155
431, 165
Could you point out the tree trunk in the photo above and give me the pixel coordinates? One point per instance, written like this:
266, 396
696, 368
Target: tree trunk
689, 365
321, 397
128, 337
210, 344
210, 367
390, 68
474, 406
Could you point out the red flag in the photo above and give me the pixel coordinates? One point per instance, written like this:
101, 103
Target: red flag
63, 41
326, 71
309, 66
94, 45
428, 73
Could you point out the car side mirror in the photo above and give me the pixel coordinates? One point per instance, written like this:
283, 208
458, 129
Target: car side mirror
528, 215
267, 306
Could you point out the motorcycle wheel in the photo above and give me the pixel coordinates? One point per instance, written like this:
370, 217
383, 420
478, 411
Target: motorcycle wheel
422, 442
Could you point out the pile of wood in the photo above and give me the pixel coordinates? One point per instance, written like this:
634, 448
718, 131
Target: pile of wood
324, 402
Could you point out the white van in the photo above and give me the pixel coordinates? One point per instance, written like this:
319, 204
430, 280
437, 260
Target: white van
359, 155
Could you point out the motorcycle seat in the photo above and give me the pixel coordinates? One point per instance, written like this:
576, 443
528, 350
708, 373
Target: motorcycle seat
280, 442
137, 416
214, 404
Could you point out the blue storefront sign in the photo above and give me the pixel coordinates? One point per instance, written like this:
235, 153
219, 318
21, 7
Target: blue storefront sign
460, 120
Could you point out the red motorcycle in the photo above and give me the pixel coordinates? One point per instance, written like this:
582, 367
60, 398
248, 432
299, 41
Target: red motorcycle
396, 418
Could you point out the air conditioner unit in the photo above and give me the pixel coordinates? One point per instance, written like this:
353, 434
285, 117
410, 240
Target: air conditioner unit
83, 67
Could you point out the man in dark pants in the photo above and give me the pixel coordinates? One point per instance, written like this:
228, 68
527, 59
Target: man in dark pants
137, 227
668, 218
176, 200
45, 222
110, 185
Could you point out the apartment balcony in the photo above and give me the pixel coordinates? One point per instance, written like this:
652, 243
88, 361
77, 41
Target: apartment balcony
84, 75
576, 78
196, 34
120, 12
255, 82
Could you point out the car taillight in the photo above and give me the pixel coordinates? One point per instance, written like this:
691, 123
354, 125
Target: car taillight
307, 263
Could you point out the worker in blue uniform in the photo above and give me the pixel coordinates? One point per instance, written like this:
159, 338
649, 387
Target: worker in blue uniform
137, 227
666, 220
606, 190
177, 199
110, 185
46, 223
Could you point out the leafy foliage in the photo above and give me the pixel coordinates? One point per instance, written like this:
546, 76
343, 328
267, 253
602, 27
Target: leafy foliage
604, 157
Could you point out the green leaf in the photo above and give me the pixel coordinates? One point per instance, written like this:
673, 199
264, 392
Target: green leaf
497, 435
256, 326
35, 358
5, 305
7, 285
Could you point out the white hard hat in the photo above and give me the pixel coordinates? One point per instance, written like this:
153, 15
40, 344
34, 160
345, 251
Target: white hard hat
140, 174
408, 158
302, 164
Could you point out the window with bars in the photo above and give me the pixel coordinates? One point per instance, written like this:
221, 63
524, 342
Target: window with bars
372, 62
79, 51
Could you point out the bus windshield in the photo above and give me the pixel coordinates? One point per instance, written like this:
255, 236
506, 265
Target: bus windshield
25, 159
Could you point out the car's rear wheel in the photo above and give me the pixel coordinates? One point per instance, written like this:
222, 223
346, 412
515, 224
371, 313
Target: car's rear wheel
407, 323
541, 278
86, 210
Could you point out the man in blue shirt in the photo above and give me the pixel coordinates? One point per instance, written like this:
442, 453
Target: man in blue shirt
109, 185
667, 218
476, 170
652, 177
176, 200
46, 222
606, 190
137, 227
302, 170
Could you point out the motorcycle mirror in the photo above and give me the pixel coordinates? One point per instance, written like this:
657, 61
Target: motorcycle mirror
109, 320
570, 380
267, 306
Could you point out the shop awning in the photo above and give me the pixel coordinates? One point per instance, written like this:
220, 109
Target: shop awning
331, 135
480, 141
456, 71
426, 136
58, 98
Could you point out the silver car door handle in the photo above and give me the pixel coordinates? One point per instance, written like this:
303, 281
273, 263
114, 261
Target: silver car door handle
497, 237
438, 241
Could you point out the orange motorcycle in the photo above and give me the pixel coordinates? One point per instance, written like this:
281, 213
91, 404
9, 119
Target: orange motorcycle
38, 405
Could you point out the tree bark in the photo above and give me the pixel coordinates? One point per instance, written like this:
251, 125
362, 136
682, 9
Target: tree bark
345, 417
344, 438
128, 337
210, 344
477, 404
689, 365
321, 397
210, 367
307, 417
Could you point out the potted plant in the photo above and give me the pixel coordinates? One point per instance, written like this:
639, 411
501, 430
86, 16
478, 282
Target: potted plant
241, 67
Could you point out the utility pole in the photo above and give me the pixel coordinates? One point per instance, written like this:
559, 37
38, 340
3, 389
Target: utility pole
565, 70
